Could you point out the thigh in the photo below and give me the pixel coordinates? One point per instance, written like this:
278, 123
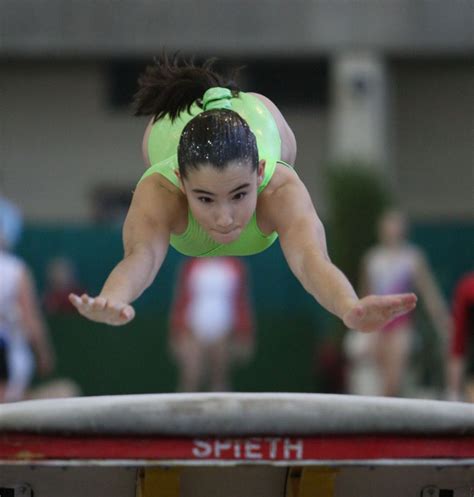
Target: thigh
219, 351
21, 361
187, 349
393, 347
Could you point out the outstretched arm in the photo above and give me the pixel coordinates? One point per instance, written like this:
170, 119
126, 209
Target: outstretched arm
146, 236
303, 242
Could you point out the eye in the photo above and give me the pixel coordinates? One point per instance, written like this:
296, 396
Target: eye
239, 196
205, 200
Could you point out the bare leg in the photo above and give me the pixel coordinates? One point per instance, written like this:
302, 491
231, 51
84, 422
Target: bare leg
392, 352
219, 362
189, 353
455, 376
469, 390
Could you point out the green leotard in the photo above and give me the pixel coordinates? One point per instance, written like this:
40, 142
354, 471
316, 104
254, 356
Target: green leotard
162, 151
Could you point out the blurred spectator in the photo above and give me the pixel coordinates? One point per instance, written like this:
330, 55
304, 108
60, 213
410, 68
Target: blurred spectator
393, 266
21, 327
211, 322
461, 361
11, 223
60, 282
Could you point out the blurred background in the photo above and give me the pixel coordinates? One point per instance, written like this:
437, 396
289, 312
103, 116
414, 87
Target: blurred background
380, 96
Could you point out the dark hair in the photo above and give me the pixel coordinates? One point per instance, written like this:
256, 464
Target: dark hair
172, 84
216, 137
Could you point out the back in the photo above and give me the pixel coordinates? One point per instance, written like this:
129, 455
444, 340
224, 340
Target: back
165, 134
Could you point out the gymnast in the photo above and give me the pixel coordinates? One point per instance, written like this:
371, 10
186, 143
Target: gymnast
220, 181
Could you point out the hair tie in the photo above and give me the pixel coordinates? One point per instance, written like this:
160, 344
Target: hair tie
217, 98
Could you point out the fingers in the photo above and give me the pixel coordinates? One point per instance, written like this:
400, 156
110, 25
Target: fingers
102, 309
85, 304
393, 305
359, 311
127, 313
79, 302
404, 299
74, 299
375, 311
99, 304
409, 298
404, 303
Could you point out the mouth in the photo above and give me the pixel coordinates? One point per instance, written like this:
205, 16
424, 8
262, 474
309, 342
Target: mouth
226, 236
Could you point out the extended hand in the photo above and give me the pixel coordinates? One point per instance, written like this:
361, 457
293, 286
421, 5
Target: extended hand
375, 311
102, 310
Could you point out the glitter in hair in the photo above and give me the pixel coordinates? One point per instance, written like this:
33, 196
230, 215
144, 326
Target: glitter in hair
216, 137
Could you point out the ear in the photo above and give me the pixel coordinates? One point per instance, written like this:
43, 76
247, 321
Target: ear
180, 179
260, 171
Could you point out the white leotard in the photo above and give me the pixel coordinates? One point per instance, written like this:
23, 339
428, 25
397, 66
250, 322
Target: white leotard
213, 285
20, 361
391, 270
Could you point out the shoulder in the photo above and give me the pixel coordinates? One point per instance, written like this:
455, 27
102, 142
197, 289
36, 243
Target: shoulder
284, 186
155, 182
284, 202
158, 200
283, 179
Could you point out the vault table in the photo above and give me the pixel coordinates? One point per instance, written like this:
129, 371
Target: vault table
236, 444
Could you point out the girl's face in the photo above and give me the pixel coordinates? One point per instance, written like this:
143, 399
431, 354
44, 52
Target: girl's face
392, 228
223, 201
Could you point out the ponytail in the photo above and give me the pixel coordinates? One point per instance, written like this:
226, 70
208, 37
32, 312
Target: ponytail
171, 86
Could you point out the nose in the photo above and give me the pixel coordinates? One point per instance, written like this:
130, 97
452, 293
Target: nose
224, 218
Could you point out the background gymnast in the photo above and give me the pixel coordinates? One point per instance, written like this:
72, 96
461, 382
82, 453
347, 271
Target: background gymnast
24, 335
220, 181
394, 265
